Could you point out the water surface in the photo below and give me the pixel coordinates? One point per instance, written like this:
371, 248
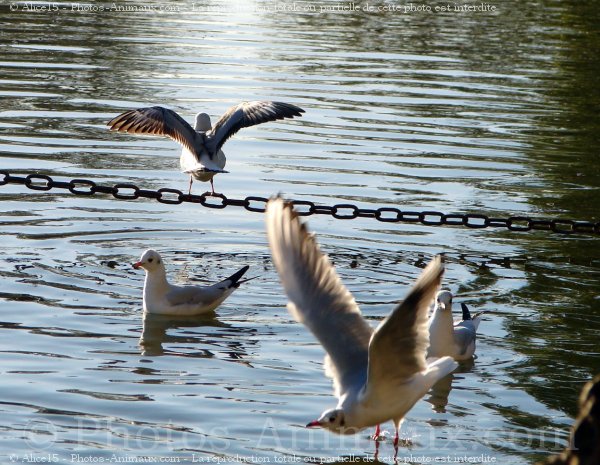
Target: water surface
489, 113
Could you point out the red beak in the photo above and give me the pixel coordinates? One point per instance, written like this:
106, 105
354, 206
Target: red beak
137, 265
314, 424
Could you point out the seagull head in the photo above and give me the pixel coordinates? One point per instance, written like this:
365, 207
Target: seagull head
149, 261
443, 300
203, 122
332, 419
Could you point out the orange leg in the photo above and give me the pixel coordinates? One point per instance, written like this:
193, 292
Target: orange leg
396, 439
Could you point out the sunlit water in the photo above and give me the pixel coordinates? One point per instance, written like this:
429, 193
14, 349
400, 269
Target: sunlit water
481, 113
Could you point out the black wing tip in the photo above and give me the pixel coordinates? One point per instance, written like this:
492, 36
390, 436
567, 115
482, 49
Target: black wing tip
235, 277
126, 115
466, 313
291, 106
286, 110
118, 119
294, 109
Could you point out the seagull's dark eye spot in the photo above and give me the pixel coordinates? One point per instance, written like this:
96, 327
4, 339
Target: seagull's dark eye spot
150, 260
331, 419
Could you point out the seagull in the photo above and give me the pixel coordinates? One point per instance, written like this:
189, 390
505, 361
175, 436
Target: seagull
378, 375
168, 299
202, 156
448, 338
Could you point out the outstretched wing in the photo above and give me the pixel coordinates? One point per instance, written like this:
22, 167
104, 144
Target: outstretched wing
399, 344
248, 114
156, 120
317, 296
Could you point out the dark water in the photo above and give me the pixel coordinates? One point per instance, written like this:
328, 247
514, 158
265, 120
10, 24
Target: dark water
483, 112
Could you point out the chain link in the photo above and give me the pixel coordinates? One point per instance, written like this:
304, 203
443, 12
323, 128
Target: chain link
341, 211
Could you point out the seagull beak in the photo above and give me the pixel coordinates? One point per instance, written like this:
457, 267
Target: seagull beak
137, 265
314, 424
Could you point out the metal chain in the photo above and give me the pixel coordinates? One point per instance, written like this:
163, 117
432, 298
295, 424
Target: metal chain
342, 211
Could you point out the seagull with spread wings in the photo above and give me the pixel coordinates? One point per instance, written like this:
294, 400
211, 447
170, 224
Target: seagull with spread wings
379, 374
202, 156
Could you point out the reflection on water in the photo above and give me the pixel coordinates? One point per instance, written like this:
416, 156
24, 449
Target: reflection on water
155, 328
439, 393
491, 113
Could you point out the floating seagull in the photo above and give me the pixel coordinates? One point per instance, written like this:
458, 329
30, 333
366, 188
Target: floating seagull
202, 156
379, 374
448, 338
162, 297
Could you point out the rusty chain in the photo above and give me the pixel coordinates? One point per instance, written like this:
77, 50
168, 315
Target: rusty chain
342, 211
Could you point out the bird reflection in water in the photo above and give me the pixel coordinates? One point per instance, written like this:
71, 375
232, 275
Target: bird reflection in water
155, 333
440, 391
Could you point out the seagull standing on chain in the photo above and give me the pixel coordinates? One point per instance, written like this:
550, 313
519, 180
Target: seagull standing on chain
456, 340
202, 156
379, 374
164, 298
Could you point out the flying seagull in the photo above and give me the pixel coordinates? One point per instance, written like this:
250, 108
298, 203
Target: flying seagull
379, 374
202, 156
168, 299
